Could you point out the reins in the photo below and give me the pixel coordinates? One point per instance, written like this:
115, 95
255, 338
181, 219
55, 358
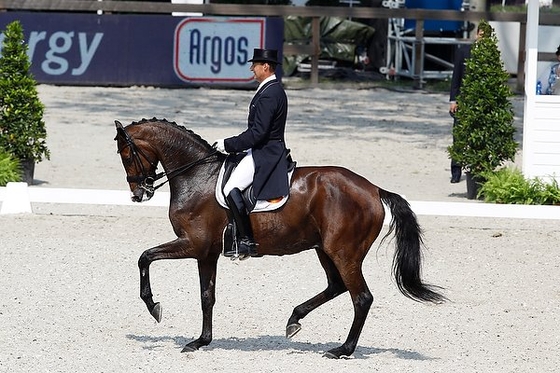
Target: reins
180, 170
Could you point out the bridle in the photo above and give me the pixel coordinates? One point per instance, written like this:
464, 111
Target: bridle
147, 180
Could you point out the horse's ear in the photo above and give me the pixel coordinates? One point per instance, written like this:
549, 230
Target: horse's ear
120, 129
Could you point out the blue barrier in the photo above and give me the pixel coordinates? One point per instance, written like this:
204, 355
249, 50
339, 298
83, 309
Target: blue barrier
435, 25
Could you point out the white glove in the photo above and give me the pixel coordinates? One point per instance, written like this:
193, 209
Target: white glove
219, 145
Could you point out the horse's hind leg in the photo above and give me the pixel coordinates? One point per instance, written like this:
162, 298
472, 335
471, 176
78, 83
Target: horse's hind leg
362, 300
335, 287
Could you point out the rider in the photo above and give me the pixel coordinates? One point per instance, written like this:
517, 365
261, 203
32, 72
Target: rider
265, 164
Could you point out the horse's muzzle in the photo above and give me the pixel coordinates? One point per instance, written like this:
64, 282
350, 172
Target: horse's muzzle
141, 195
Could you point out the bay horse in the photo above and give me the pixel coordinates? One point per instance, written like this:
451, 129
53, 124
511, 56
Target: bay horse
330, 209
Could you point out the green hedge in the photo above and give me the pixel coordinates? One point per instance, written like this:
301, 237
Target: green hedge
508, 185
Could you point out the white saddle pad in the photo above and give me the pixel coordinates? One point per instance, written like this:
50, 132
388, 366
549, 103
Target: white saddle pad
260, 206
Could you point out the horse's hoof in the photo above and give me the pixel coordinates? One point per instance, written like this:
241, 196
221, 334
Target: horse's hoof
157, 312
330, 355
188, 348
338, 353
292, 329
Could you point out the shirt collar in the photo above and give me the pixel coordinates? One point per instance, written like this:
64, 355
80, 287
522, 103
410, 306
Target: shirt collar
272, 77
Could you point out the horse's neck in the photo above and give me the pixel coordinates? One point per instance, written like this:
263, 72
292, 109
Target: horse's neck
176, 155
196, 185
179, 149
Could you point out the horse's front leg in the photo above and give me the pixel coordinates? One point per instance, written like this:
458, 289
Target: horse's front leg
207, 273
176, 249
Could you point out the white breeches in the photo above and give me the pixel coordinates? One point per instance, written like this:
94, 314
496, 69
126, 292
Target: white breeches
243, 174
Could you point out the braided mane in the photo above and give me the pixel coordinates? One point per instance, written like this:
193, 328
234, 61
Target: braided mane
175, 125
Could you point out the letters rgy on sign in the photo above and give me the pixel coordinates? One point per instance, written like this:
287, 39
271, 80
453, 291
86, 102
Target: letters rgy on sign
62, 50
216, 49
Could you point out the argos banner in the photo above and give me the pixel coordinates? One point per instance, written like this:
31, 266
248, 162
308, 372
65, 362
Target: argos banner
155, 50
216, 50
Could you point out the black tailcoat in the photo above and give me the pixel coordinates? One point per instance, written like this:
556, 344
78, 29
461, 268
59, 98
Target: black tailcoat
265, 136
461, 55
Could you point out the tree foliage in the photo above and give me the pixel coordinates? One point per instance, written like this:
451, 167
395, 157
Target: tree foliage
22, 129
10, 169
484, 132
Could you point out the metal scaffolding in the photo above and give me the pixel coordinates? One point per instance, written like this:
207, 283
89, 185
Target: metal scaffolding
403, 48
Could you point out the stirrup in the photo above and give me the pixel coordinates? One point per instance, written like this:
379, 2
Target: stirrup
249, 249
246, 248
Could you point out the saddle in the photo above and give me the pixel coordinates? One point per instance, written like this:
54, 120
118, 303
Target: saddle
249, 198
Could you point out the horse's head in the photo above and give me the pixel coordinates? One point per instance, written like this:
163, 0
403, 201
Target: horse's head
139, 161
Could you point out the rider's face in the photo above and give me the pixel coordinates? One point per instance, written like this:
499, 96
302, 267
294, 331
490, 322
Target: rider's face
260, 70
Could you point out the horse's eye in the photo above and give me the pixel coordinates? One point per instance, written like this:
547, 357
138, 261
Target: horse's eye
127, 160
126, 156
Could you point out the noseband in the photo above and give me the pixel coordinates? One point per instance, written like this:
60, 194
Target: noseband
146, 181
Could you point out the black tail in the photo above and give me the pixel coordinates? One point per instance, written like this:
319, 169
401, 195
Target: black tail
407, 261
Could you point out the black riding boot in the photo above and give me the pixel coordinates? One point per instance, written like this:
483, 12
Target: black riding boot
245, 243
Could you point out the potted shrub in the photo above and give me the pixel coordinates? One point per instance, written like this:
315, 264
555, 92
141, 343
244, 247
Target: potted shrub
22, 129
484, 132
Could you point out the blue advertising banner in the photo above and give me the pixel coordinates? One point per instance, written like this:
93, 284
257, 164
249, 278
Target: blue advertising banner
154, 50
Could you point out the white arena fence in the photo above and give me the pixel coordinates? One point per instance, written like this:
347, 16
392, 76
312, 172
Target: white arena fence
18, 198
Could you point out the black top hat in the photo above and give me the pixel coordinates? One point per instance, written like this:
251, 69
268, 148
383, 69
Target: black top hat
265, 55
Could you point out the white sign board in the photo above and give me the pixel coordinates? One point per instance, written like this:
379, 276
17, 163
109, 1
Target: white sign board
217, 49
